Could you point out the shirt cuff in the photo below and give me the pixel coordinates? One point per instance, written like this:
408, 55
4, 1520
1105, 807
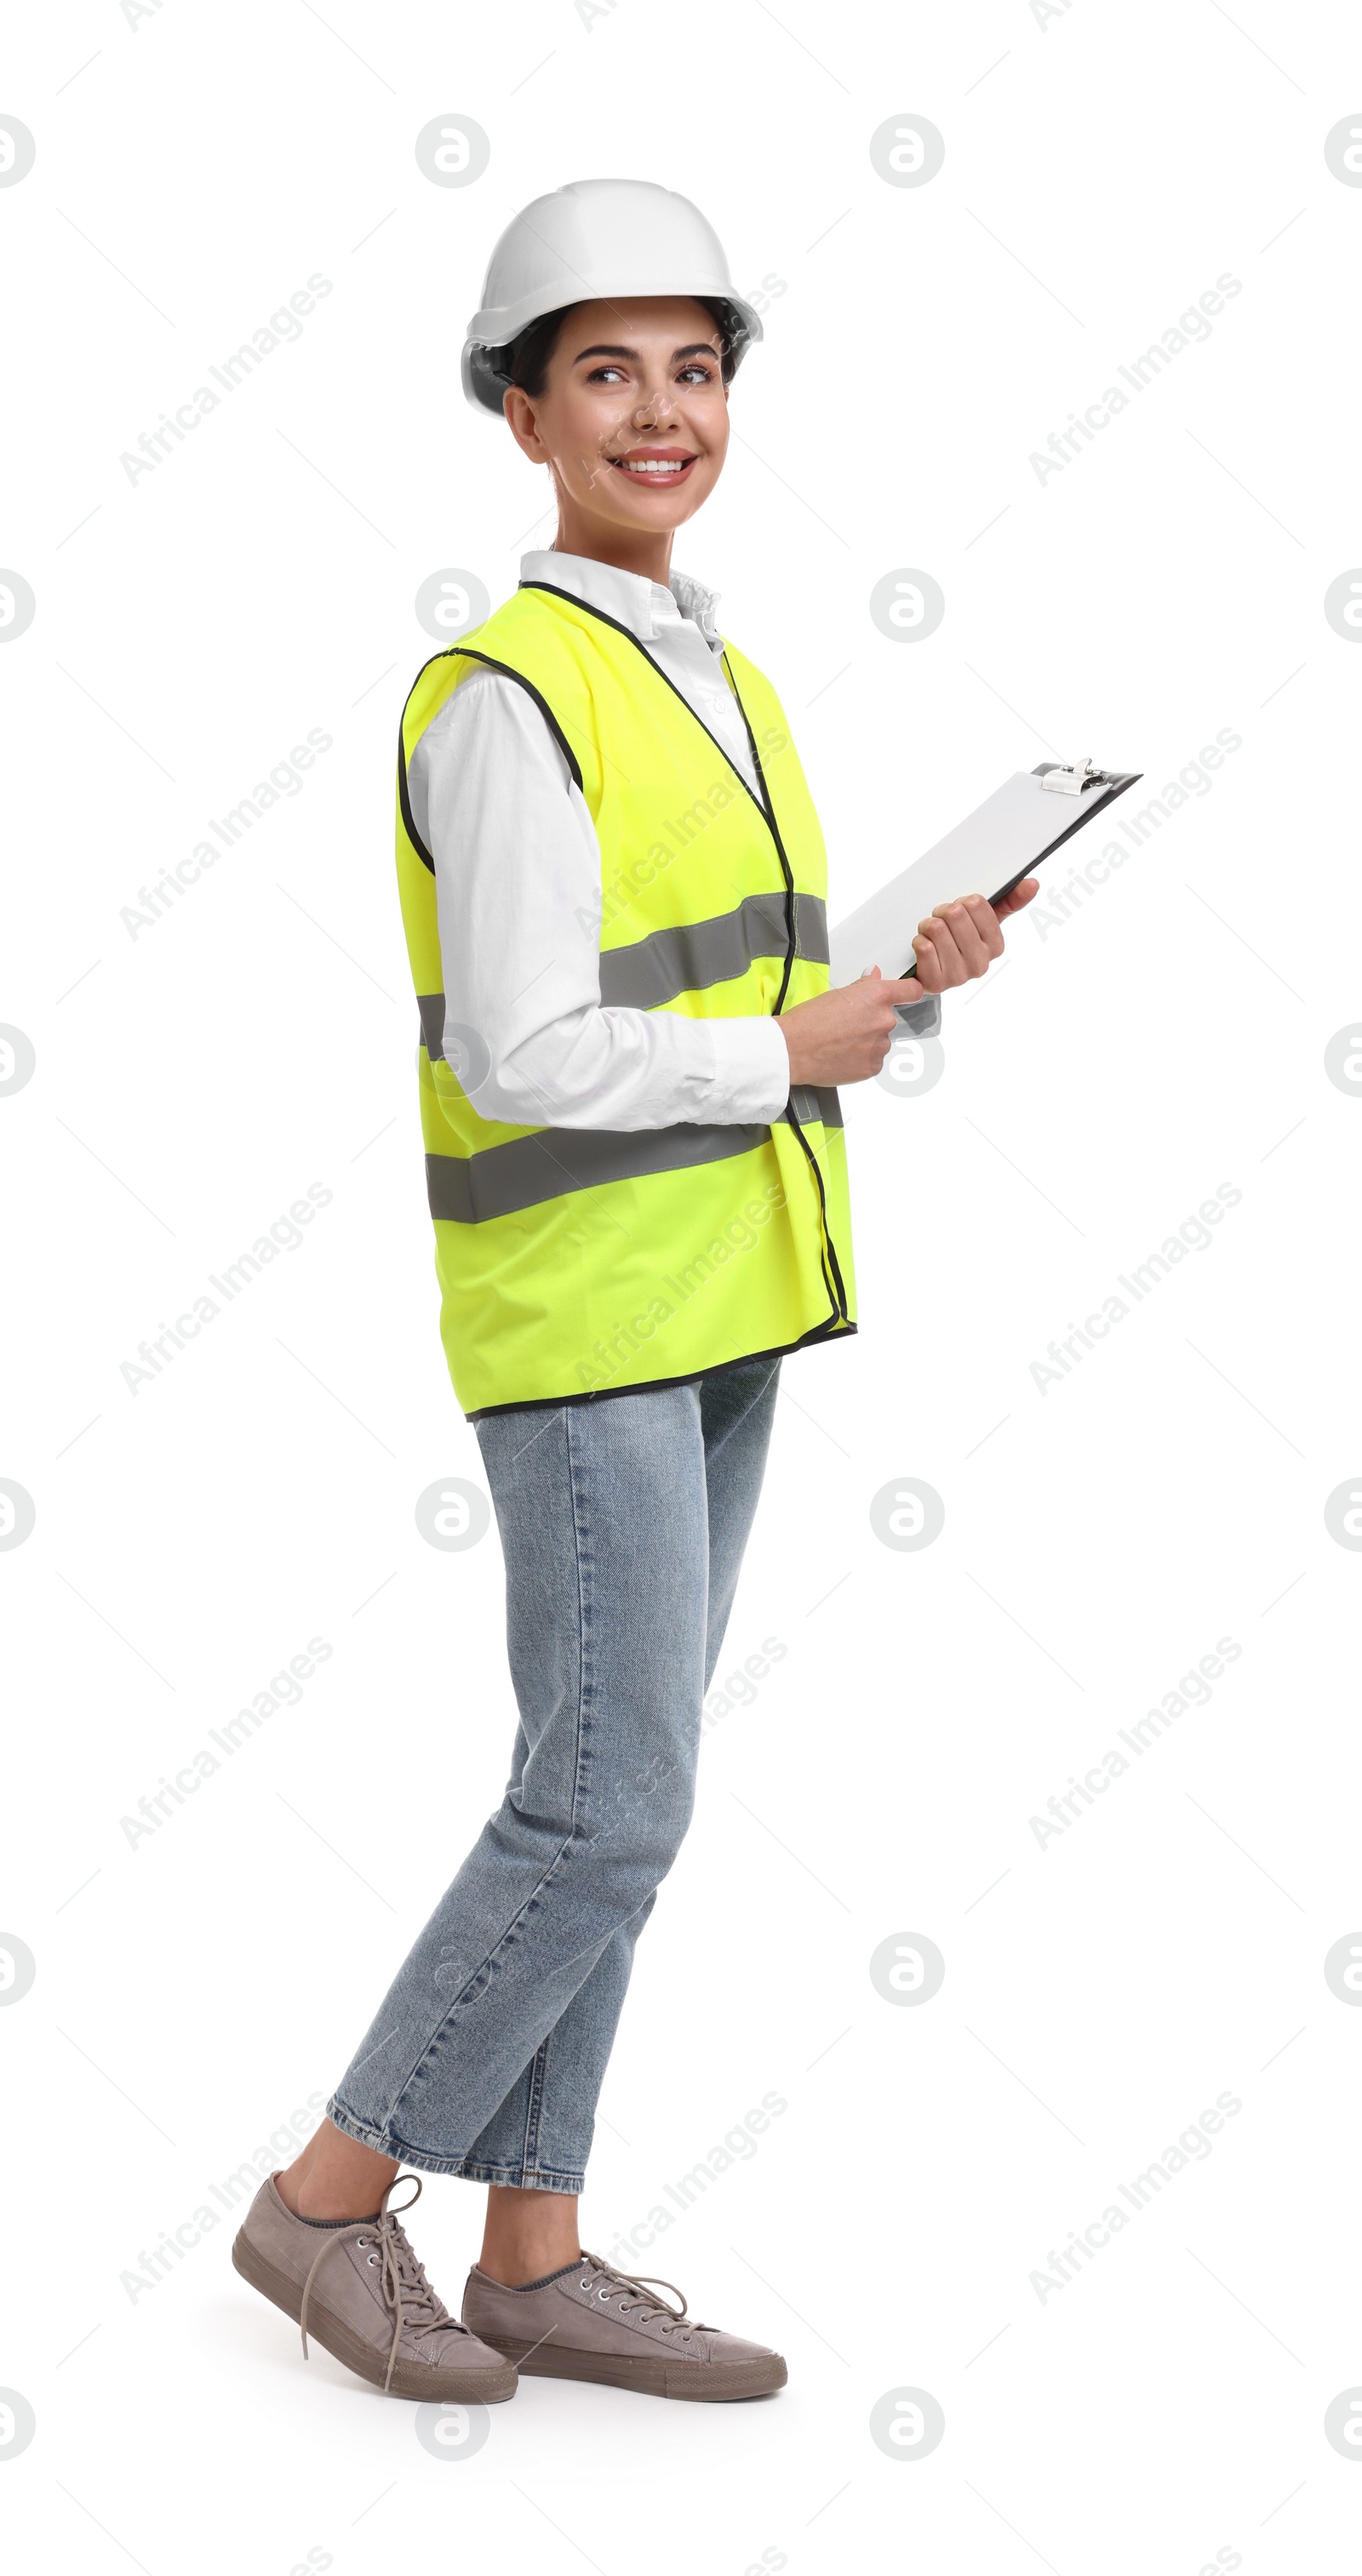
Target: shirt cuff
921, 1019
751, 1081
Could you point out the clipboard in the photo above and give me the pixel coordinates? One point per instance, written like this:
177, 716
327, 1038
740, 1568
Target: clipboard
1006, 838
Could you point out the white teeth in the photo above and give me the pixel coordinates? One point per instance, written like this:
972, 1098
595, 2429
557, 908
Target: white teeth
654, 465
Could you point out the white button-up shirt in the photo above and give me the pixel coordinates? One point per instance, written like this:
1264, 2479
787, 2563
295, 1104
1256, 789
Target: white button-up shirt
518, 891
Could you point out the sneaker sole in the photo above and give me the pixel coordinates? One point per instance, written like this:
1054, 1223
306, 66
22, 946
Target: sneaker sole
703, 2382
420, 2380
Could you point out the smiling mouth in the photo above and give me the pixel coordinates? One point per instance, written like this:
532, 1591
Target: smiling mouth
648, 466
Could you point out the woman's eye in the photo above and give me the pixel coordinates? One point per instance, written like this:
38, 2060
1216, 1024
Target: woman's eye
697, 374
602, 375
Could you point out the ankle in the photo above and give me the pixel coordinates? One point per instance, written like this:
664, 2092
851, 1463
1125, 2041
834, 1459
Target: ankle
516, 2271
307, 2198
527, 2235
336, 2182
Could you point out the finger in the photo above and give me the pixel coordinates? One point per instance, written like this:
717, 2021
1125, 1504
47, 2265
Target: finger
971, 934
903, 988
985, 920
928, 968
1019, 895
966, 938
936, 940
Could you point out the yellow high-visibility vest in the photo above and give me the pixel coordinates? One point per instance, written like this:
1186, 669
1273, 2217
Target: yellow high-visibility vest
574, 1262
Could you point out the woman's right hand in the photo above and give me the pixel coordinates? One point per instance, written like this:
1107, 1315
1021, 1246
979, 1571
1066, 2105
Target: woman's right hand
845, 1036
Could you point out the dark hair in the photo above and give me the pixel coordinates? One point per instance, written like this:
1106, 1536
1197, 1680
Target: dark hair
525, 361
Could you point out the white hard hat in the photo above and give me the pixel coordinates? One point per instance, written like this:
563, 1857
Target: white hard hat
595, 238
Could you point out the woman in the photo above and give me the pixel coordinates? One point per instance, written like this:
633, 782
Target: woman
612, 884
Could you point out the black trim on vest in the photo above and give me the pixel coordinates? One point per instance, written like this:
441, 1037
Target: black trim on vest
837, 1328
834, 1282
403, 794
601, 615
546, 711
785, 868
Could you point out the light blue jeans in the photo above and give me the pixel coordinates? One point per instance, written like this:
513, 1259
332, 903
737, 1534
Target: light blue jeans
623, 1524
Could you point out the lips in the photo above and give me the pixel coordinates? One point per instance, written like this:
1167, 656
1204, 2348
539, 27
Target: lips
662, 467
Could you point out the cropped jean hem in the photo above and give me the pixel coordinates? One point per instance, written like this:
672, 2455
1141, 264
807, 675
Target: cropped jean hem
465, 2168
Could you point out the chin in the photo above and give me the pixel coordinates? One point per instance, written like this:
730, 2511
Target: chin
675, 509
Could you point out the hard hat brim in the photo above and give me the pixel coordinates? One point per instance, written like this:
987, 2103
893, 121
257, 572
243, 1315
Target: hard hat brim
492, 331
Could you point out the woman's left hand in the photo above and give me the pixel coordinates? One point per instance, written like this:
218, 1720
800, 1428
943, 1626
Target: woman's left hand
959, 941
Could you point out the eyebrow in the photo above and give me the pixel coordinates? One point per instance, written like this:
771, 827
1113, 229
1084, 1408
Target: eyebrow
693, 349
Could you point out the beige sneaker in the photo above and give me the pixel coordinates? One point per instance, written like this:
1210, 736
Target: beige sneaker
372, 2305
591, 2322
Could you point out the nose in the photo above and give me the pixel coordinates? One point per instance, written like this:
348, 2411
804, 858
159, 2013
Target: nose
650, 411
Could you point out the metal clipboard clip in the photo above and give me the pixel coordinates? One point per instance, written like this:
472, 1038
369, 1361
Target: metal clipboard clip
1071, 777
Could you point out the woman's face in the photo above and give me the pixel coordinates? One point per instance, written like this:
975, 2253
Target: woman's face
633, 420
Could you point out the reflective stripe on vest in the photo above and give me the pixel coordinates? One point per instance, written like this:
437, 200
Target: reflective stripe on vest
669, 962
575, 1261
503, 1178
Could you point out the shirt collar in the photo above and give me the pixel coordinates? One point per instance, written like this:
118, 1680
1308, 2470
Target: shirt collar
629, 597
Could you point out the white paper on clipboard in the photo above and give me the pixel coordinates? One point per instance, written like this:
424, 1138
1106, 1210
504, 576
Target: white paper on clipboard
1006, 838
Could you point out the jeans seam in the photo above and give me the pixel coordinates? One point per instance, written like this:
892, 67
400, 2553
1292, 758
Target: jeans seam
534, 2104
581, 1762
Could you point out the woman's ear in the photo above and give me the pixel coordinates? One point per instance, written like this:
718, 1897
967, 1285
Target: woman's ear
520, 420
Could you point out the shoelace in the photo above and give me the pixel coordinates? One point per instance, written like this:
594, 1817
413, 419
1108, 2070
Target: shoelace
415, 2304
642, 2283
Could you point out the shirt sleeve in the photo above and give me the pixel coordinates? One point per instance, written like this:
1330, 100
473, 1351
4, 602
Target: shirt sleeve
518, 894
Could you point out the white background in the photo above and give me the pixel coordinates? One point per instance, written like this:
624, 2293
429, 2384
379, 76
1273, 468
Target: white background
1100, 1536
